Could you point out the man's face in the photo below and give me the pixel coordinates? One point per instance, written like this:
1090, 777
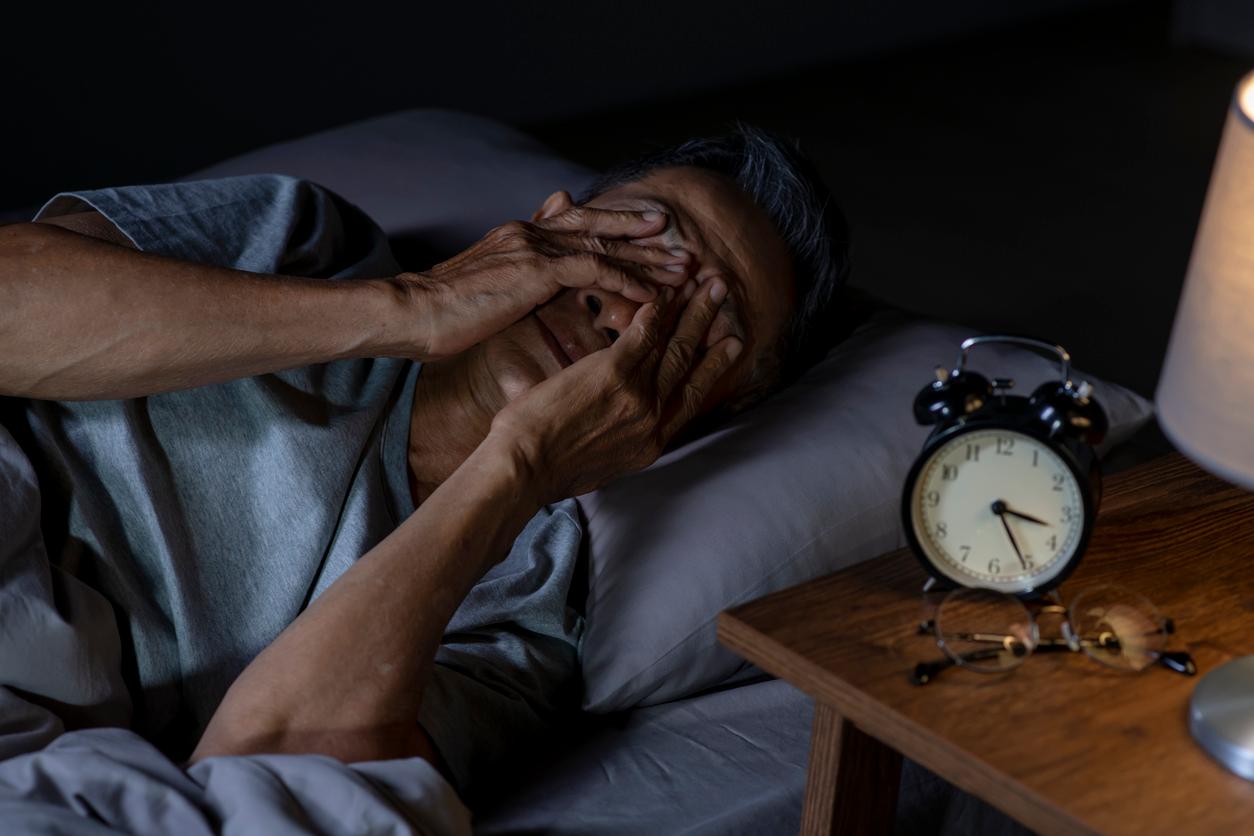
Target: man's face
725, 234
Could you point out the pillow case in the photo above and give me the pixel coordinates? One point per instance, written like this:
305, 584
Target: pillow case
804, 484
436, 180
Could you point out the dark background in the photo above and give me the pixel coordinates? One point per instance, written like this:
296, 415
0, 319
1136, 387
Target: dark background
1035, 166
143, 89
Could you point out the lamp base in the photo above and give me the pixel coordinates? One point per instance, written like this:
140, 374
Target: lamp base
1221, 715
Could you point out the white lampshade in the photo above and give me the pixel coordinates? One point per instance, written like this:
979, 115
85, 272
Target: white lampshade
1206, 391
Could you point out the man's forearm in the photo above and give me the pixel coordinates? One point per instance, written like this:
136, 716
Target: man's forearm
82, 318
346, 678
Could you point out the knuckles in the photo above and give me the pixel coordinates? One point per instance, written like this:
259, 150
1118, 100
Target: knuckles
575, 216
681, 350
629, 402
512, 231
586, 261
692, 398
522, 239
596, 246
527, 242
522, 243
517, 237
673, 367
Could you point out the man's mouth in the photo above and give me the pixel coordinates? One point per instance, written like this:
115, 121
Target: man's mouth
554, 344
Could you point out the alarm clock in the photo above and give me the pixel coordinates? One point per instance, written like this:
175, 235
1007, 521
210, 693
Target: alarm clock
1004, 494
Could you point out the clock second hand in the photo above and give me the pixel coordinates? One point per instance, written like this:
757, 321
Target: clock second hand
999, 508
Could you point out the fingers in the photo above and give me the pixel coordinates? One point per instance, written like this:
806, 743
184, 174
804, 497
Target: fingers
675, 262
618, 266
668, 316
694, 324
589, 270
665, 276
642, 334
606, 223
635, 343
697, 388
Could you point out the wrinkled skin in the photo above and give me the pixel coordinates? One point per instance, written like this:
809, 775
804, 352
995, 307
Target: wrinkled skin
708, 227
616, 410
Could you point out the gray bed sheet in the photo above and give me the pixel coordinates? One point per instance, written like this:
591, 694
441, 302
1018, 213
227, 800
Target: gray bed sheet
724, 763
728, 762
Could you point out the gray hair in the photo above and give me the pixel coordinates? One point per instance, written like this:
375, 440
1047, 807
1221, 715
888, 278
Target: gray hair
785, 184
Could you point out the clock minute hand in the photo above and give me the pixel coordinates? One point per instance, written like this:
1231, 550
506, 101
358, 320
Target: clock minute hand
1023, 516
999, 508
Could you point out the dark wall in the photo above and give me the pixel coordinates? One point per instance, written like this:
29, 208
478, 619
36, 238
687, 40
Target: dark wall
1046, 180
121, 92
1225, 25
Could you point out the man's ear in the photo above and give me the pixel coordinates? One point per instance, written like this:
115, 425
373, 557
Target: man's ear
557, 203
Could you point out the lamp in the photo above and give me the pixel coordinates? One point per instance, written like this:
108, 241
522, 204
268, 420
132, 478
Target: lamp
1206, 391
1206, 394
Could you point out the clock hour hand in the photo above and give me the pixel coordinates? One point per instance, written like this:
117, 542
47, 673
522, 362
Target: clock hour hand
999, 508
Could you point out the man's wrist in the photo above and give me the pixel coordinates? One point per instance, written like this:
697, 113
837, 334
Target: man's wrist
404, 316
515, 458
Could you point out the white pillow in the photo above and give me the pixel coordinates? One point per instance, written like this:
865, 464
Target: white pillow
439, 177
805, 484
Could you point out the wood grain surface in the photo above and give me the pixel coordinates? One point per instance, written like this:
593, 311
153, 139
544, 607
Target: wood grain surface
845, 762
1062, 744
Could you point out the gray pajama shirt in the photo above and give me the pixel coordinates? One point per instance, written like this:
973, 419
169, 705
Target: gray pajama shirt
197, 524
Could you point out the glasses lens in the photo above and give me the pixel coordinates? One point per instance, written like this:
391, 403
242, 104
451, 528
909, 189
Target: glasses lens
985, 630
1118, 627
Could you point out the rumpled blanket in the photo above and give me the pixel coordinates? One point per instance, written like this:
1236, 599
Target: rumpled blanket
59, 669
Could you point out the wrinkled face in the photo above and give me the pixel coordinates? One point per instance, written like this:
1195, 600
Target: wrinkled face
726, 234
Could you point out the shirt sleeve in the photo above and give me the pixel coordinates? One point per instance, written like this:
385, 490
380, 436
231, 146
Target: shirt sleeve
263, 223
509, 660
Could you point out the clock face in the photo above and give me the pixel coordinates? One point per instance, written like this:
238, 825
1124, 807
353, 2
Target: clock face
998, 509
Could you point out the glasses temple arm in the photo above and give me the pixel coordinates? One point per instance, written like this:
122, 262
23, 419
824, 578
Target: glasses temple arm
925, 672
1180, 661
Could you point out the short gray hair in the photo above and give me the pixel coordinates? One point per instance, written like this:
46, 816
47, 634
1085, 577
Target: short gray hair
785, 184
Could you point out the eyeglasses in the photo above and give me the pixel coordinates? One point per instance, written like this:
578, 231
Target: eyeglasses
992, 632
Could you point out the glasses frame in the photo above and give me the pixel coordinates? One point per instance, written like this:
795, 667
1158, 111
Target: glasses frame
1049, 604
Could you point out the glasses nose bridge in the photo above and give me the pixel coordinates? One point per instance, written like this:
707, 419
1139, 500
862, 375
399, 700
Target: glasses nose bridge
1054, 611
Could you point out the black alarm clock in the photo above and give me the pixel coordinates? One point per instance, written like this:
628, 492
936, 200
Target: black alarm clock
1004, 494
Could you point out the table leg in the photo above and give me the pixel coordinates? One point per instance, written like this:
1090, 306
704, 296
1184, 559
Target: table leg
852, 782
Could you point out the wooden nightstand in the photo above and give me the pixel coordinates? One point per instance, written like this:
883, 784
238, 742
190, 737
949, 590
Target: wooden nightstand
1061, 744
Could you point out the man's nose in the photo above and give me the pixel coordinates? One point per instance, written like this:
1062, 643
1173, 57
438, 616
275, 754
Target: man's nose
611, 313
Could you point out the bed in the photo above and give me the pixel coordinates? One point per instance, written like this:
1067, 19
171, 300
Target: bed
675, 734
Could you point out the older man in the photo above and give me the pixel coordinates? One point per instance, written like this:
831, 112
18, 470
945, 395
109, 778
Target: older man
330, 514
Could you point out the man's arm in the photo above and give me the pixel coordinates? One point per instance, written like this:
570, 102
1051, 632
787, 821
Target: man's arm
84, 315
83, 318
346, 678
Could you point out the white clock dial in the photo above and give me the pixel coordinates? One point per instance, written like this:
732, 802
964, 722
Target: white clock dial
997, 509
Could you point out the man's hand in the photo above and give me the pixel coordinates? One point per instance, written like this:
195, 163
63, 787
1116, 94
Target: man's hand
615, 410
519, 266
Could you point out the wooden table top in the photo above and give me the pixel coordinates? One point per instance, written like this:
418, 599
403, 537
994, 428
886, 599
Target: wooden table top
1062, 743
